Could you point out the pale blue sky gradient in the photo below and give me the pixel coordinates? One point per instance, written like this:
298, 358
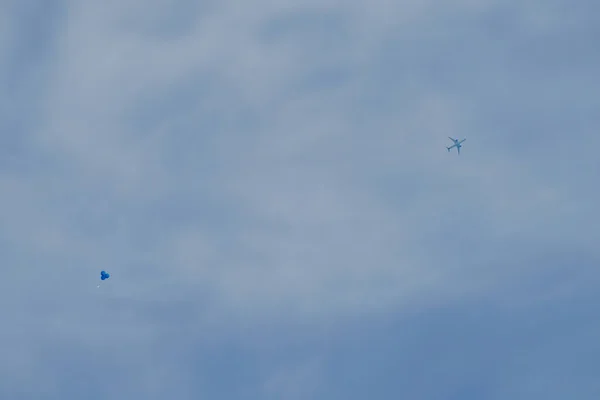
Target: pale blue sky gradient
267, 184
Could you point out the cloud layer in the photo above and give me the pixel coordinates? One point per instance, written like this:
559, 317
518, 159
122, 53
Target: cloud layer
267, 184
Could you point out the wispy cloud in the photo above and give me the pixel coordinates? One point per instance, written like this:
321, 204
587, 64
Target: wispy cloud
242, 167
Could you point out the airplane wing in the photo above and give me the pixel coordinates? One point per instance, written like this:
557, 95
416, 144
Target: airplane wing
454, 140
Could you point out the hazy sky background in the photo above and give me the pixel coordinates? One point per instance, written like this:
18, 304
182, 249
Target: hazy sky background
268, 185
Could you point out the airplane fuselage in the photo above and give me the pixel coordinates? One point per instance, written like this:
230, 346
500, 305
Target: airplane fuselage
457, 144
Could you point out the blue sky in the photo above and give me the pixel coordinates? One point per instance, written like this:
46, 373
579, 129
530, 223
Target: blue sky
268, 186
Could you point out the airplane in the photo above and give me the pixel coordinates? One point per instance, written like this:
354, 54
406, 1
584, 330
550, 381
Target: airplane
456, 144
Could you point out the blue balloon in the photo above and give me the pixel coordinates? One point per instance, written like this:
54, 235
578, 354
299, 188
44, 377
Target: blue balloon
104, 275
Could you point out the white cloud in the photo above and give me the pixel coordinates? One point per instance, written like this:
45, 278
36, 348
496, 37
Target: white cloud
299, 168
267, 162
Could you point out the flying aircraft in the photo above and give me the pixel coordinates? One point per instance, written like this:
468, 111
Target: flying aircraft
456, 144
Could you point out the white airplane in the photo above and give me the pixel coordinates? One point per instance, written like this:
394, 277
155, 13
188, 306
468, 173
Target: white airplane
456, 144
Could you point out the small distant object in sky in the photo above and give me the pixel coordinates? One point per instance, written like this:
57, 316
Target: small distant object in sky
104, 276
456, 144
